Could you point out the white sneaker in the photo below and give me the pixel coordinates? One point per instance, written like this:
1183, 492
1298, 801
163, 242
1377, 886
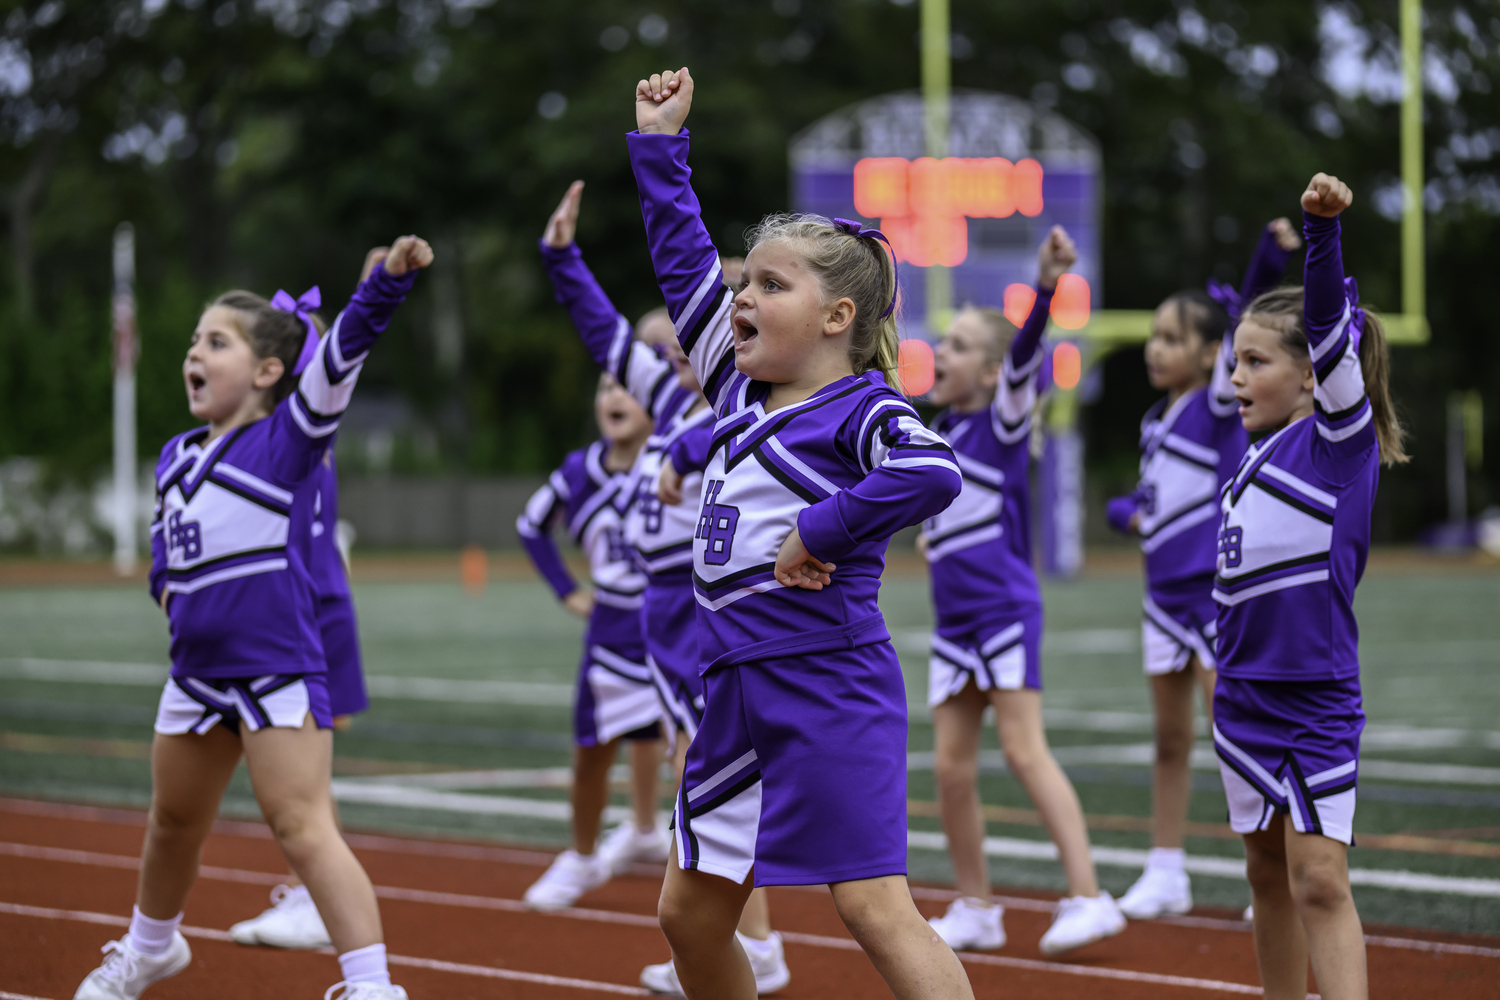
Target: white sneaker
767, 962
364, 991
1158, 892
126, 972
971, 925
570, 876
1082, 920
291, 922
624, 845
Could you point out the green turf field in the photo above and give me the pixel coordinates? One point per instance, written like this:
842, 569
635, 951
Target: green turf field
466, 682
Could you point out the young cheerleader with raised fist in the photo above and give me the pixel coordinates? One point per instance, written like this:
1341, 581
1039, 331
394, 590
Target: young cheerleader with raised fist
798, 772
1311, 375
1191, 443
650, 363
248, 666
986, 649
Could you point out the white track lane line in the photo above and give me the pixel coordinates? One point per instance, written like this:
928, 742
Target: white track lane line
466, 901
18, 996
640, 920
459, 968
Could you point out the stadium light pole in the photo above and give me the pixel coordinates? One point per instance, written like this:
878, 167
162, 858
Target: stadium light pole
125, 350
1413, 258
937, 80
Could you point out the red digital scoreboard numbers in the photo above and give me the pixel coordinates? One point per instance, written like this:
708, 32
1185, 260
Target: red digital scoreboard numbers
924, 206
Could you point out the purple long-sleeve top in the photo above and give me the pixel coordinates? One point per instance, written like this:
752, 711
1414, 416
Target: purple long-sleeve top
846, 468
661, 536
242, 595
1294, 525
980, 547
1267, 265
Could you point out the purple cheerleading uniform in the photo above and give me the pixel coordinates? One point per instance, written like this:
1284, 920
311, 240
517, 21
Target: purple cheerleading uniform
799, 767
984, 589
1189, 450
224, 548
615, 695
660, 536
315, 516
1294, 533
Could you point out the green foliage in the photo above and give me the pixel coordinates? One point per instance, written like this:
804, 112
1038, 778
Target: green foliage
272, 147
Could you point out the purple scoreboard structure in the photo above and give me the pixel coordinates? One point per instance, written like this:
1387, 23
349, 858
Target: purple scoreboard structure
1013, 170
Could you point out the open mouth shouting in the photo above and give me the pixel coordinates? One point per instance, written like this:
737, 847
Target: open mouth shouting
744, 332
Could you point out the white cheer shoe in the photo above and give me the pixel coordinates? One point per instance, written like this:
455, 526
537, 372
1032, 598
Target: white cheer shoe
625, 845
971, 925
1081, 920
570, 876
1158, 893
364, 991
291, 922
767, 962
126, 972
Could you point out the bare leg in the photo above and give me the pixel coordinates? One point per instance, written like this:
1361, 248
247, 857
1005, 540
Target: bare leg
1318, 867
698, 914
645, 765
1171, 778
956, 725
1280, 943
906, 951
188, 776
590, 792
1018, 714
755, 919
340, 724
290, 771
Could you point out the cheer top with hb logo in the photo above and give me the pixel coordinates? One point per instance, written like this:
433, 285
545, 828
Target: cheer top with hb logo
1294, 522
241, 597
847, 467
592, 502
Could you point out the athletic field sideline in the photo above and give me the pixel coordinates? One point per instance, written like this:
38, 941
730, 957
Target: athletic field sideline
468, 734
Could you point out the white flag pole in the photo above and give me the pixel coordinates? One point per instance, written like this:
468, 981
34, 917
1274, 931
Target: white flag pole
126, 347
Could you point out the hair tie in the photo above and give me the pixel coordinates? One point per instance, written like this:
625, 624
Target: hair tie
1227, 296
300, 307
858, 230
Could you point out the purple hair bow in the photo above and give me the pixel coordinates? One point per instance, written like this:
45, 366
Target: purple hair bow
311, 299
1227, 296
858, 229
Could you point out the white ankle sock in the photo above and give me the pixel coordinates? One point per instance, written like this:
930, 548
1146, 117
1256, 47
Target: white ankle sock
1166, 859
365, 965
151, 937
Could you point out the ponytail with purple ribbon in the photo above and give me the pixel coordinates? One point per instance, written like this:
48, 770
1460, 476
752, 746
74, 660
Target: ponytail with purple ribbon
859, 231
300, 307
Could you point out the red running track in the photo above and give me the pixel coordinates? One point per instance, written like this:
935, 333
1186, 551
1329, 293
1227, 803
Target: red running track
455, 928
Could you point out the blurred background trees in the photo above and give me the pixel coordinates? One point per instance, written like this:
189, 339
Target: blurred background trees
268, 143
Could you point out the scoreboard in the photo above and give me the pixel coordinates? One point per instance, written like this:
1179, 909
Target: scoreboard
1015, 170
